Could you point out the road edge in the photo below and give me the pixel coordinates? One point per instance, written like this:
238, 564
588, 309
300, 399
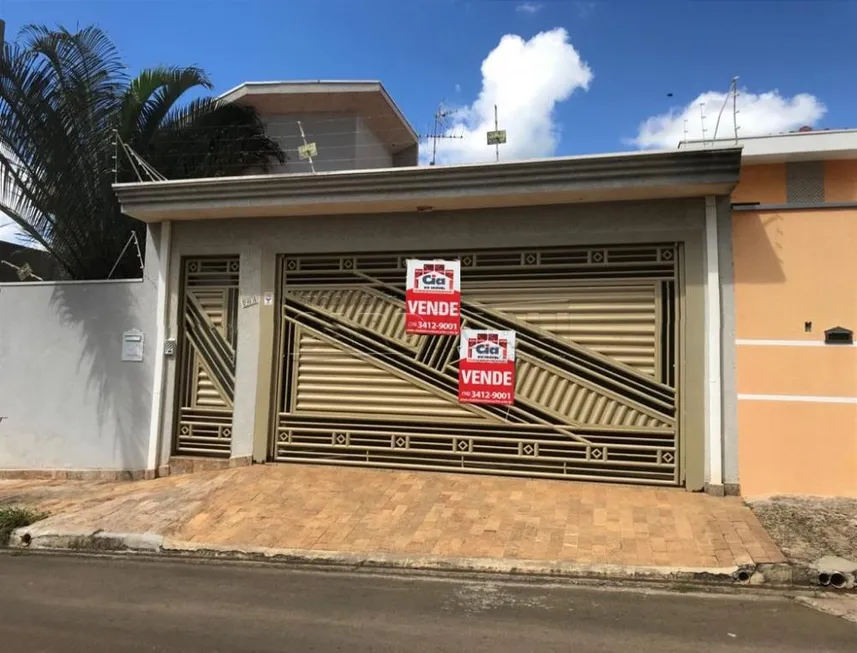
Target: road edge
779, 575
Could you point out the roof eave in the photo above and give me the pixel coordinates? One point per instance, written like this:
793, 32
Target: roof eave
246, 90
579, 179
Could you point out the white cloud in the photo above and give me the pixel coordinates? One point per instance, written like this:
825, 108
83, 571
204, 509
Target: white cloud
526, 80
765, 113
529, 7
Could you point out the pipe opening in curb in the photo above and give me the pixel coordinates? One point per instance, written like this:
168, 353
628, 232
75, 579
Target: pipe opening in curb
26, 538
838, 580
743, 576
824, 579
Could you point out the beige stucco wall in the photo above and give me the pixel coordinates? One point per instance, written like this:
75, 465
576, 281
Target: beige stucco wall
797, 398
258, 242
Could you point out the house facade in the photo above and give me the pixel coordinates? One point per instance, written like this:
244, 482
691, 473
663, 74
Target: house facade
283, 297
663, 303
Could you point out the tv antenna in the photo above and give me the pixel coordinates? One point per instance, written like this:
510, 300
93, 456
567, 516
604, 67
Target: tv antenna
437, 131
496, 137
24, 272
308, 150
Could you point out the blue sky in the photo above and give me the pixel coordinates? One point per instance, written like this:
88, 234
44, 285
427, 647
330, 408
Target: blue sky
607, 67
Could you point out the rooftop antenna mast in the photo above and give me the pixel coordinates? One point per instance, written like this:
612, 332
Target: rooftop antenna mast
496, 137
735, 107
702, 120
437, 134
733, 93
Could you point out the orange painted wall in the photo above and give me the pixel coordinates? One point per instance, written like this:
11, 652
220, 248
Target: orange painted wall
766, 183
761, 183
840, 181
797, 448
793, 267
788, 370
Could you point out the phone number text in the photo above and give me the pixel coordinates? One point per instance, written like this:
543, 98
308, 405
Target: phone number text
436, 326
496, 395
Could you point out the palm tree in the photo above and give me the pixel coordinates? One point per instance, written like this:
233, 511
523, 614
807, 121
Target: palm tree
64, 97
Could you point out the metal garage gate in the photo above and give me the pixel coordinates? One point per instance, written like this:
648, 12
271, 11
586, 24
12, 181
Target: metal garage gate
596, 388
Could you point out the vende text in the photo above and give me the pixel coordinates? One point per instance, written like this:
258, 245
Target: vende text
486, 377
484, 382
418, 307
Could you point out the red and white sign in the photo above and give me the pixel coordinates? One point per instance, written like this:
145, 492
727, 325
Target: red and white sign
486, 369
433, 297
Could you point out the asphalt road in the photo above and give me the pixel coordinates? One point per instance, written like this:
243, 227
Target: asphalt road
100, 605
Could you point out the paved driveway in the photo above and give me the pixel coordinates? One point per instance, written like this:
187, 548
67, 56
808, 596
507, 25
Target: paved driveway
414, 513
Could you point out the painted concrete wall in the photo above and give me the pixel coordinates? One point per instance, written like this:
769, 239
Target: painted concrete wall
369, 152
761, 183
344, 142
797, 398
68, 400
840, 181
766, 183
258, 242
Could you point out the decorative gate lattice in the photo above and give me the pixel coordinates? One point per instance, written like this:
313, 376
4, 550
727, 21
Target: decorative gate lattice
206, 357
596, 384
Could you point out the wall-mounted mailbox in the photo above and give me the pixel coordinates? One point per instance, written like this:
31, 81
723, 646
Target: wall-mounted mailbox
838, 336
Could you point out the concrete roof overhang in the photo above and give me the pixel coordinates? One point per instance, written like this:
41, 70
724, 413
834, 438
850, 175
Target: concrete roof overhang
608, 177
367, 100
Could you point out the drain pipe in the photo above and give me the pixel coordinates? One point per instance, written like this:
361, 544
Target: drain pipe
824, 579
162, 318
838, 580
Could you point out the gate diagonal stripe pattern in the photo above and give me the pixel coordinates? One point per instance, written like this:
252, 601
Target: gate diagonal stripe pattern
206, 360
596, 392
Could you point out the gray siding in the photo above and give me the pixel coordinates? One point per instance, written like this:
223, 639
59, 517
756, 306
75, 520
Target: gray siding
333, 134
344, 142
368, 150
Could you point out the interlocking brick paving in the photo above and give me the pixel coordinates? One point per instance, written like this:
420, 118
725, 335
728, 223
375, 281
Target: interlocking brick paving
420, 513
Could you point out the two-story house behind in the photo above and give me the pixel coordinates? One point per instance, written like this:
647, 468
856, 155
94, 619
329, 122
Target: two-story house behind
355, 125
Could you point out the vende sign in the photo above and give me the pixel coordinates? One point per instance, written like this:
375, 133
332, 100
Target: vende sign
486, 369
433, 297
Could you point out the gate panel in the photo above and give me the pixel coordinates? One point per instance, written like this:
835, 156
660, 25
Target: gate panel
596, 393
206, 361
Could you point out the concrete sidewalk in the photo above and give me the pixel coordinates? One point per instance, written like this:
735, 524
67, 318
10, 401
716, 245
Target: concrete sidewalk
396, 514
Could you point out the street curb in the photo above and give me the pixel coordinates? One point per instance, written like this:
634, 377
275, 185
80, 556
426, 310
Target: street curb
762, 575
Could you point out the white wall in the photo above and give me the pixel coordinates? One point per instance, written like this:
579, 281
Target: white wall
68, 400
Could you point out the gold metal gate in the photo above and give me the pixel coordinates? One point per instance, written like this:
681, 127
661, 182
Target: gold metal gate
596, 387
206, 356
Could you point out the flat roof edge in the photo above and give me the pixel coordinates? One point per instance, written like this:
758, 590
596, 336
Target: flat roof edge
705, 168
